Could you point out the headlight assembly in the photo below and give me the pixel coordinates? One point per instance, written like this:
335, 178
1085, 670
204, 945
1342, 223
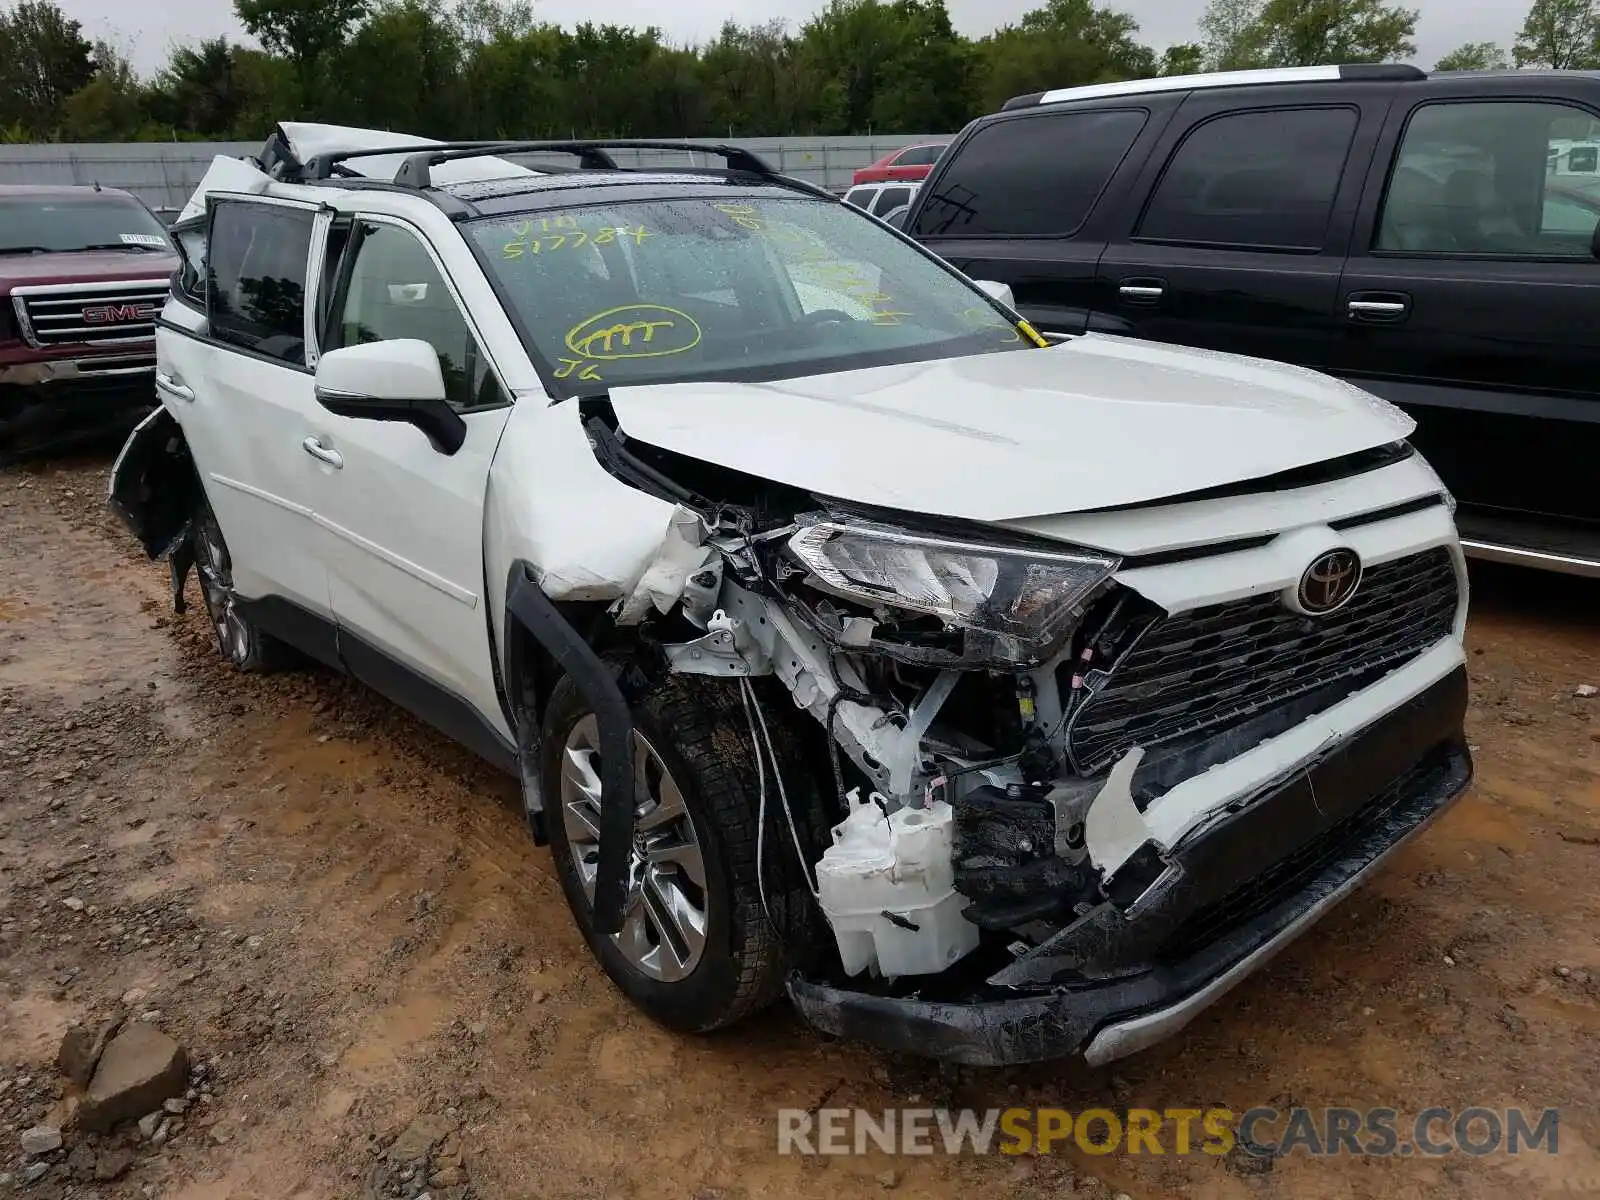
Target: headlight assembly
1028, 600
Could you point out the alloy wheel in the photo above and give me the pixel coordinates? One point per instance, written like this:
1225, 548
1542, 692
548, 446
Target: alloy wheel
215, 569
663, 931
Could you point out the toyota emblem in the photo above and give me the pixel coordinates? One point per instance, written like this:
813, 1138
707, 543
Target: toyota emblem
1329, 582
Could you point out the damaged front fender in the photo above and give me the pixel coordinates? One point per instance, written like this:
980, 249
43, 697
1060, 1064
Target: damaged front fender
155, 491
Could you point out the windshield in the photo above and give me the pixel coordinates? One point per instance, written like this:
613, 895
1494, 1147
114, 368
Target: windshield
53, 224
749, 289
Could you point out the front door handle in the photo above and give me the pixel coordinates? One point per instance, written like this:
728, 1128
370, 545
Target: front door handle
322, 453
1378, 307
1142, 291
172, 387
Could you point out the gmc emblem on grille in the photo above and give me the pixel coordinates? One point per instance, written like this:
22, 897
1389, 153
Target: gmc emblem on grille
1329, 582
110, 314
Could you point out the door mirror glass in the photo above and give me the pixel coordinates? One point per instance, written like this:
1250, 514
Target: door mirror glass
996, 291
397, 380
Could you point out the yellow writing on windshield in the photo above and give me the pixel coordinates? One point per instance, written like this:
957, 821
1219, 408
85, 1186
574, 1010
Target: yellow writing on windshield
584, 370
528, 242
743, 215
633, 331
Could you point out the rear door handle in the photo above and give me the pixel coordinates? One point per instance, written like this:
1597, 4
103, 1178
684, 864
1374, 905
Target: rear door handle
322, 453
1142, 291
172, 387
1379, 307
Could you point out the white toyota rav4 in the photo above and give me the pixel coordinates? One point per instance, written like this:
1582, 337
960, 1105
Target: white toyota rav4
995, 699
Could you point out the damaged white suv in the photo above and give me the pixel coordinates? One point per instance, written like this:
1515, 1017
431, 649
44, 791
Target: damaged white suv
997, 699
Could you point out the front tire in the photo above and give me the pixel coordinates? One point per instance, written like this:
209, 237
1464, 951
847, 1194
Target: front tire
242, 642
696, 951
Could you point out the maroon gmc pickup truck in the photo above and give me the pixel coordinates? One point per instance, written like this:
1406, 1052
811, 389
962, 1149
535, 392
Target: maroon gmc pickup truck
83, 274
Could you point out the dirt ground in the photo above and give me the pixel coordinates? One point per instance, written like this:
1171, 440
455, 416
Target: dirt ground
340, 915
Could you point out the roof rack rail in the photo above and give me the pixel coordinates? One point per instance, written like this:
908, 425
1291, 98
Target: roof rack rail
1350, 73
324, 166
416, 171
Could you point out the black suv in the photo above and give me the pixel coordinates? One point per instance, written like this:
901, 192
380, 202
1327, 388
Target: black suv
1431, 238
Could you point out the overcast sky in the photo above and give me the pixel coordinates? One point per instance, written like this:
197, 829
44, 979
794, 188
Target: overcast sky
148, 38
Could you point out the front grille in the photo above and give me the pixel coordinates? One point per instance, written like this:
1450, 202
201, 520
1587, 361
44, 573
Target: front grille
1208, 669
105, 313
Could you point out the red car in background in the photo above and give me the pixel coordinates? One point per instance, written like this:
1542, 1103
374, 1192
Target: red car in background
908, 163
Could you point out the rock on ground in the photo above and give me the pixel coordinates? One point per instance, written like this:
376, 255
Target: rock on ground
141, 1067
41, 1139
81, 1049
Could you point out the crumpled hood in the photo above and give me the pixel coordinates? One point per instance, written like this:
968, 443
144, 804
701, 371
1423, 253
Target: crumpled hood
17, 270
1092, 423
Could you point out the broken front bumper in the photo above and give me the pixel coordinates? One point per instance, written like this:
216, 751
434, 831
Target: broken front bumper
1248, 887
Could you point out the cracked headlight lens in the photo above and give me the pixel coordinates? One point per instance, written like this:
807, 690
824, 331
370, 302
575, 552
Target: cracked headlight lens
1028, 599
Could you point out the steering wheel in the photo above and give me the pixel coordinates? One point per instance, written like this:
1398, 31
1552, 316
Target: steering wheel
826, 316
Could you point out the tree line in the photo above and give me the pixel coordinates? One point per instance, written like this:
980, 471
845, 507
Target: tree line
490, 68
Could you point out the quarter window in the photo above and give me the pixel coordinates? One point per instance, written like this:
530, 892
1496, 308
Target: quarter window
1031, 176
256, 278
1494, 177
395, 291
1264, 179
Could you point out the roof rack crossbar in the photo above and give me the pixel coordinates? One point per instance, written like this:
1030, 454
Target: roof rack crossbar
592, 152
321, 166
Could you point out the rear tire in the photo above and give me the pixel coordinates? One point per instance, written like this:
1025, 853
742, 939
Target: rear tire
696, 951
242, 642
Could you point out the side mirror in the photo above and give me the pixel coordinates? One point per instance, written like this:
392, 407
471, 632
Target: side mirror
897, 216
398, 380
996, 291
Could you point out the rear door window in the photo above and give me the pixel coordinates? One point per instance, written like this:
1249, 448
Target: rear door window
1264, 179
890, 199
1499, 177
1032, 176
256, 277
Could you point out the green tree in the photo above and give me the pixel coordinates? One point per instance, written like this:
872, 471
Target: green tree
1559, 34
1186, 58
268, 90
929, 85
201, 89
514, 86
755, 83
43, 60
1232, 33
1474, 56
1063, 44
306, 32
110, 107
401, 69
1306, 33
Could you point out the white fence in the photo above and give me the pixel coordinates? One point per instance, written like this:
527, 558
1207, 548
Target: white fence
165, 173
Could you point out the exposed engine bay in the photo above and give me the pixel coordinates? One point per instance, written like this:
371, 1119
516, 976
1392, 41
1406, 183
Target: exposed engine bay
953, 671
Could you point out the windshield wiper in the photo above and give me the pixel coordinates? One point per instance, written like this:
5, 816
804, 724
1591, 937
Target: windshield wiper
139, 246
24, 249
